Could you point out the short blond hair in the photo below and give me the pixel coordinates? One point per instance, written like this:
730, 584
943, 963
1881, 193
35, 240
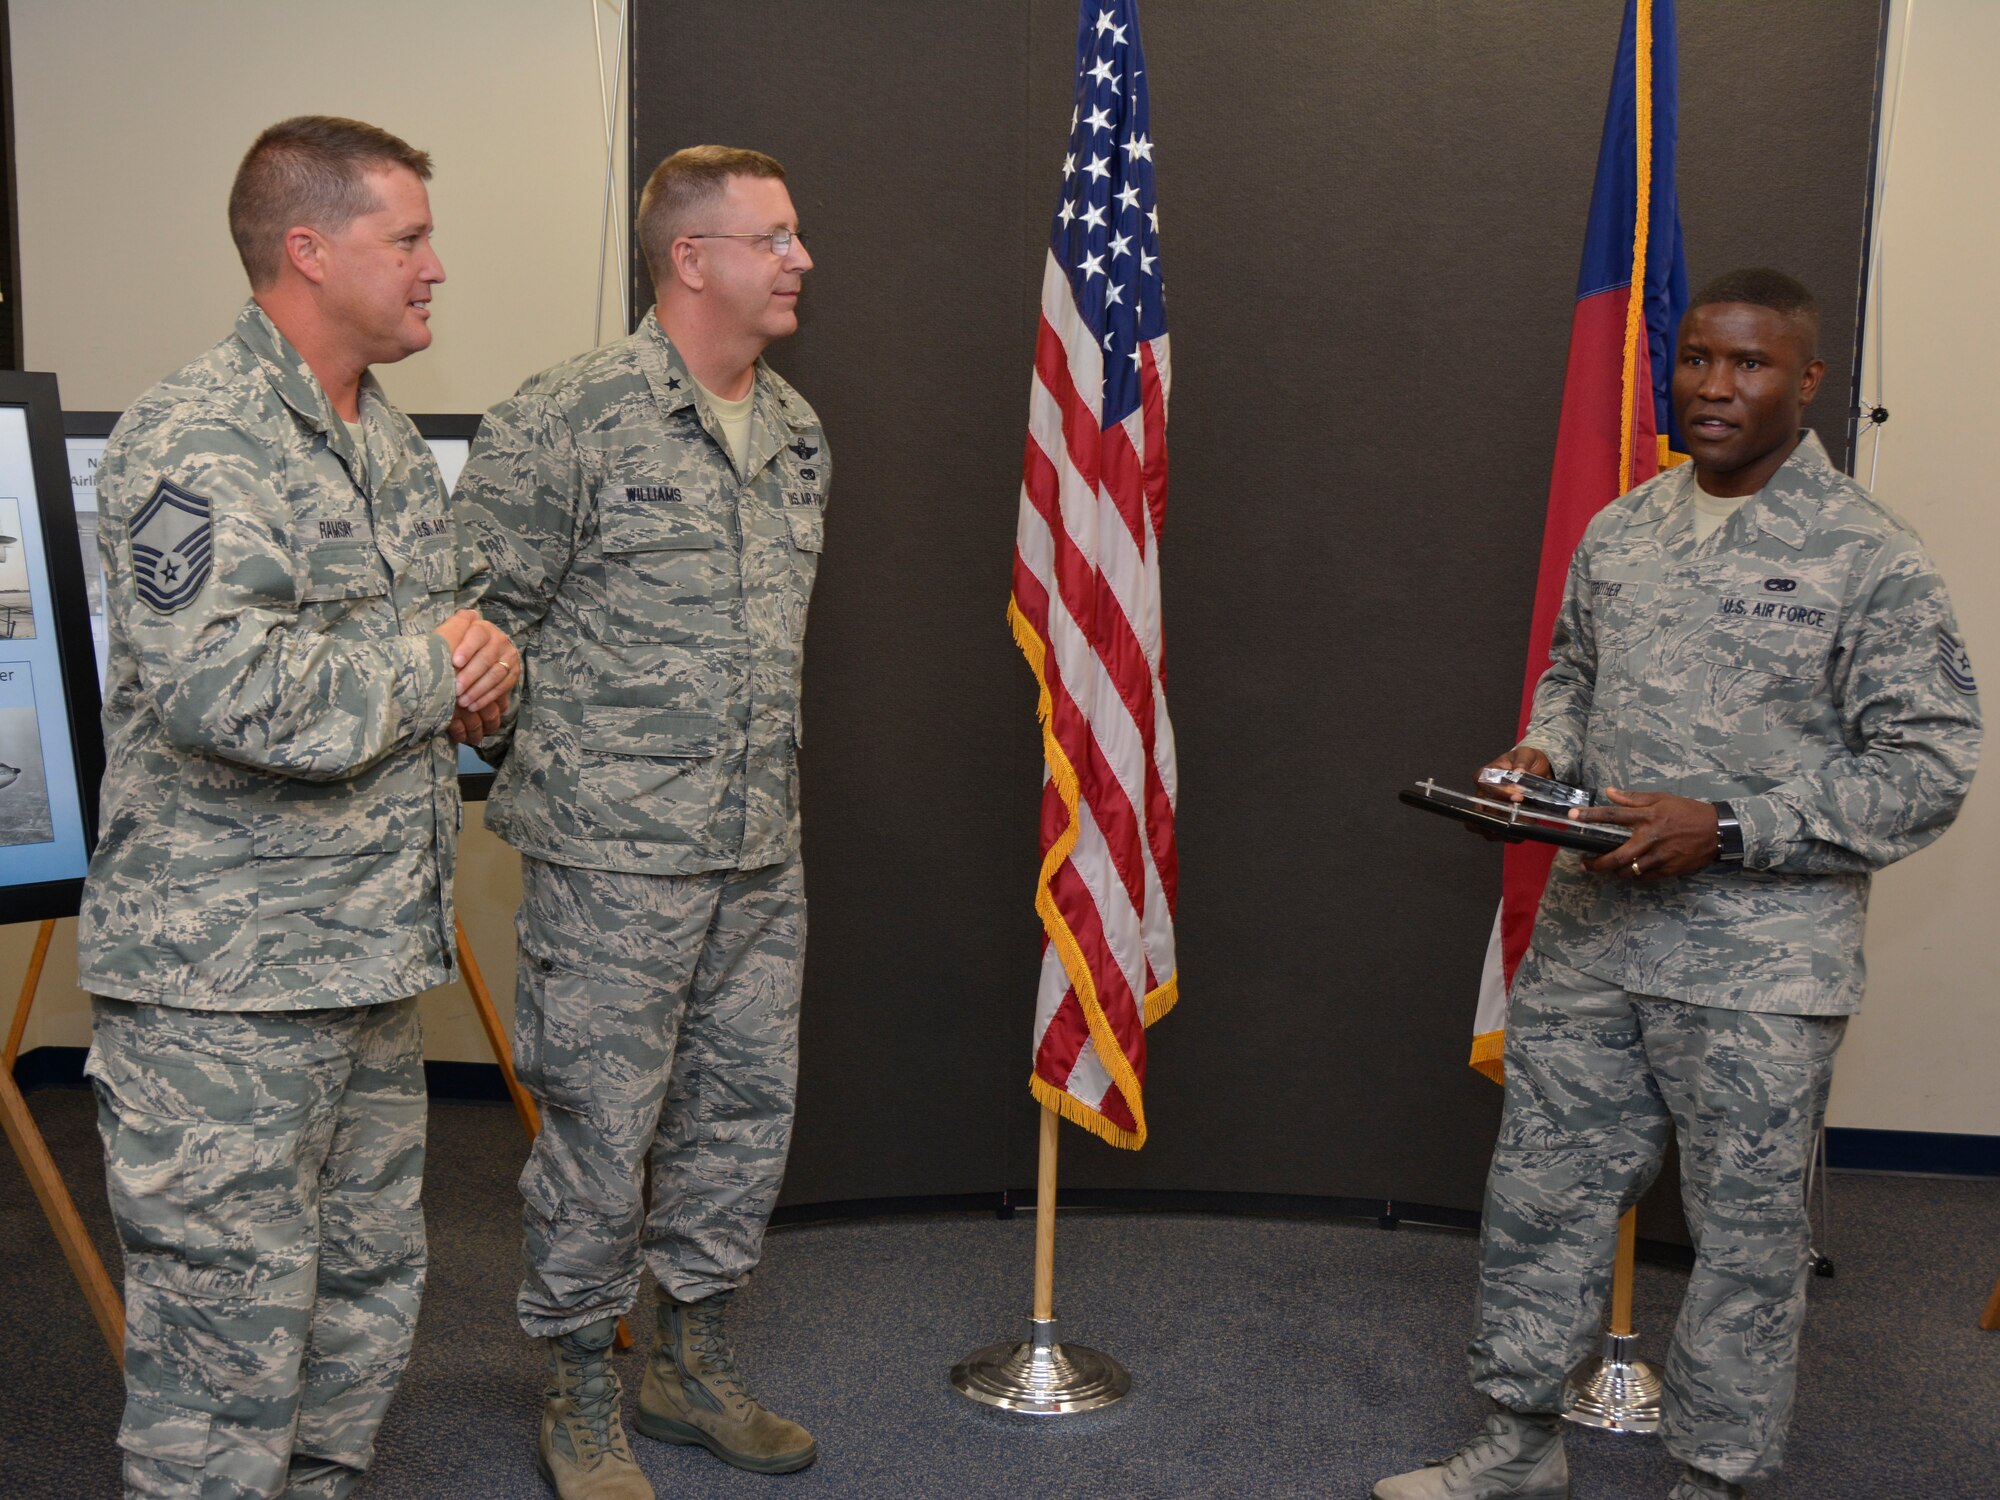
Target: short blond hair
684, 185
312, 170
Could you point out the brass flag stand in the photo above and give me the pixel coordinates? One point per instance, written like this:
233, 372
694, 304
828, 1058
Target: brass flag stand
1041, 1377
106, 1306
1614, 1391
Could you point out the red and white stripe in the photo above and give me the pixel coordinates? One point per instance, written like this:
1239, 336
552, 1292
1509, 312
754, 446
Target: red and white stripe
1086, 611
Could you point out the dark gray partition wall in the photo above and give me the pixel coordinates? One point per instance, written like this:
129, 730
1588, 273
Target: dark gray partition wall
1371, 215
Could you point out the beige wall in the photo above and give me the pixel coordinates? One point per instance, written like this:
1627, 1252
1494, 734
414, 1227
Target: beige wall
130, 119
1922, 1054
504, 93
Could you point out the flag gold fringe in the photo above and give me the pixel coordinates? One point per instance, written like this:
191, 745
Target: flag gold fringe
1157, 1004
1635, 296
1488, 1049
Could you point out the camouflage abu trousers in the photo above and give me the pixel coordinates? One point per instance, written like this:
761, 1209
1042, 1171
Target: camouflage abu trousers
656, 1023
1596, 1077
265, 1171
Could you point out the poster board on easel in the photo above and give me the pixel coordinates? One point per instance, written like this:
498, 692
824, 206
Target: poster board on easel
51, 746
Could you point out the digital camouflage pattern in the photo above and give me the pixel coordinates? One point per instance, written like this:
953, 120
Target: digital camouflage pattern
658, 596
1803, 665
280, 800
1596, 1076
656, 1019
265, 1170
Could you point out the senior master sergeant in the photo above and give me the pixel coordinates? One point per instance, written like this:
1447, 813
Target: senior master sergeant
1771, 654
293, 651
653, 511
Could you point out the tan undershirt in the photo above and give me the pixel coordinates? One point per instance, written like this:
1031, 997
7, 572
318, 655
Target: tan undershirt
734, 419
1710, 511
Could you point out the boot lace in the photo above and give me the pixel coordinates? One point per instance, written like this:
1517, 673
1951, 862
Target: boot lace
1481, 1449
593, 1392
704, 1337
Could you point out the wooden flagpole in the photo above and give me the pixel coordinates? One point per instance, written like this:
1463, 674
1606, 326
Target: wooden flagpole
1045, 1218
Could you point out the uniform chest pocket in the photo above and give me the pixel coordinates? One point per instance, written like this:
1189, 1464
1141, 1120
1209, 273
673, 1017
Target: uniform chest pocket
346, 592
664, 569
1758, 685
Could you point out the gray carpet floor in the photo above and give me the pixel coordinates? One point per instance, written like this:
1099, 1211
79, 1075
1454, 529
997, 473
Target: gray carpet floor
1270, 1357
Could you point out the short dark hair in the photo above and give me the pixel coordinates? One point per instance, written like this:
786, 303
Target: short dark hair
310, 169
1760, 286
685, 183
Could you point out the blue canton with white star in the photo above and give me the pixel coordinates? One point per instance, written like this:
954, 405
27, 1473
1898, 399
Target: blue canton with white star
1107, 227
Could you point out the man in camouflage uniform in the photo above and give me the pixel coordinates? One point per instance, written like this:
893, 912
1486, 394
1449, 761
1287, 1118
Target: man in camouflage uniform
1772, 655
653, 512
293, 650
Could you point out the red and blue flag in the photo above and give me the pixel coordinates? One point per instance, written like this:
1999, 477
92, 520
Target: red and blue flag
1617, 426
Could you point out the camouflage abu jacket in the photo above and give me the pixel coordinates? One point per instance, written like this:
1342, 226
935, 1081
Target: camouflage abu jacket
1804, 666
659, 600
280, 803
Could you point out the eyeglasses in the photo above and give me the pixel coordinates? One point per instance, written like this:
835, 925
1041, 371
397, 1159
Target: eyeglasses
781, 239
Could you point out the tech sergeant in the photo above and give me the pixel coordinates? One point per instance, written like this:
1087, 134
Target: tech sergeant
1757, 633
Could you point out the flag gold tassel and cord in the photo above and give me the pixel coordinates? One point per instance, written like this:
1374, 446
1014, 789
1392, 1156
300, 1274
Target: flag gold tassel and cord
1158, 1002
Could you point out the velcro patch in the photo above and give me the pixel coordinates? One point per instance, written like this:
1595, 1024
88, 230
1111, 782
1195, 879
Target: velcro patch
170, 547
1955, 662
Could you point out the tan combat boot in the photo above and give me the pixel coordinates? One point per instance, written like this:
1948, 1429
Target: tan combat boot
584, 1455
1513, 1457
692, 1394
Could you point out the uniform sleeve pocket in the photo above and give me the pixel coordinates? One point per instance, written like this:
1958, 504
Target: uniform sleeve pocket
808, 529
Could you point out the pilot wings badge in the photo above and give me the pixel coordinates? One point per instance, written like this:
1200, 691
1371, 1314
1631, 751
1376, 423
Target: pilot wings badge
170, 547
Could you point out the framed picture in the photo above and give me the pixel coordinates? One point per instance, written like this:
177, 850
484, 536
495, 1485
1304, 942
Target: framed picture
51, 748
449, 435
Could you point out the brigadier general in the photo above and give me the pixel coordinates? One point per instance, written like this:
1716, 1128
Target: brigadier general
653, 511
293, 649
1761, 664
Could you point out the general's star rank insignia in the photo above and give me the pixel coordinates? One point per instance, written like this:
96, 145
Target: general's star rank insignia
170, 547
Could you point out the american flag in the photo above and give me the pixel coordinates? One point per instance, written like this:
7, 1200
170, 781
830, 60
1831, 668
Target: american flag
1086, 604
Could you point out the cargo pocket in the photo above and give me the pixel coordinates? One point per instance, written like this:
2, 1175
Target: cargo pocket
165, 1433
650, 773
332, 893
552, 1051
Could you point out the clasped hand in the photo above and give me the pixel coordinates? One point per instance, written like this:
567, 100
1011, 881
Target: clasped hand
1665, 835
487, 667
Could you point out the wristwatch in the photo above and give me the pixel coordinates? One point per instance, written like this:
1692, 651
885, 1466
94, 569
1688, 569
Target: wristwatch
1728, 835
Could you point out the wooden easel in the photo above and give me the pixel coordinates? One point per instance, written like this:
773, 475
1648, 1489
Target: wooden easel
60, 1209
1990, 1319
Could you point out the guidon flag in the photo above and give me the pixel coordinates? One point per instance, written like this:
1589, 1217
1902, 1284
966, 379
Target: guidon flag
1616, 428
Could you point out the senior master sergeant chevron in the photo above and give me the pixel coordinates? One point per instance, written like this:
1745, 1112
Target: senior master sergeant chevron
292, 652
1759, 663
653, 511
